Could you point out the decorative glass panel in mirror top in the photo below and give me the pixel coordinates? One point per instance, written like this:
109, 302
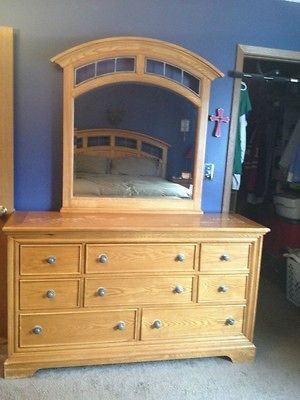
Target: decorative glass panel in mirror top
174, 73
103, 67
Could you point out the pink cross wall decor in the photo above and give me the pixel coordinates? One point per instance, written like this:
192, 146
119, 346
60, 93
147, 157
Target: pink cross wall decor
218, 119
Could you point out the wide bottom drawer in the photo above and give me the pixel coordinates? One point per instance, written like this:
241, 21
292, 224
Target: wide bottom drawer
77, 328
192, 321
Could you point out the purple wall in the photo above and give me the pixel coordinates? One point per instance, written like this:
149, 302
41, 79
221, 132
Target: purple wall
211, 28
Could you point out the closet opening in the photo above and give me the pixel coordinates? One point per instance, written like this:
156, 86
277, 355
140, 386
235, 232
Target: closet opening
265, 155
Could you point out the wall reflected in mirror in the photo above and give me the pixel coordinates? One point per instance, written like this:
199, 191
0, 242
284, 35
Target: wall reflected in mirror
109, 162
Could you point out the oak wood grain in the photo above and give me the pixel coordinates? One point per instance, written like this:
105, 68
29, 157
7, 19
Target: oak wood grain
137, 290
224, 256
73, 328
33, 294
6, 157
34, 259
222, 288
192, 321
153, 257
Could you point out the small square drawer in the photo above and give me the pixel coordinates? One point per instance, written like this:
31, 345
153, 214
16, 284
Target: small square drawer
195, 321
222, 288
49, 294
86, 327
50, 259
224, 256
140, 290
133, 257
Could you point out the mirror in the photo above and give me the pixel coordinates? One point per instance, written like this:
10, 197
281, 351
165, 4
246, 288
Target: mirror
135, 111
107, 157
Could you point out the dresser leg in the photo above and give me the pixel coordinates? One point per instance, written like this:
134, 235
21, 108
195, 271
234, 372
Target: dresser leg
246, 355
18, 371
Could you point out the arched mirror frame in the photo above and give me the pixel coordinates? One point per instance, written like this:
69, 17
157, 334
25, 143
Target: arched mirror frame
140, 49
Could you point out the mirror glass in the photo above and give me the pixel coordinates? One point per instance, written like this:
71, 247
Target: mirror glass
157, 161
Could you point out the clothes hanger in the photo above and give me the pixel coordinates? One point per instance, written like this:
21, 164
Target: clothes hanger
243, 86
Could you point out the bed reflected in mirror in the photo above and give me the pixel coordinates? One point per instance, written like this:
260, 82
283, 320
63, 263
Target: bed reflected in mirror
133, 140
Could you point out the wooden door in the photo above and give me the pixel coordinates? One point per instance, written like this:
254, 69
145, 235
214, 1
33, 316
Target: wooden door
6, 158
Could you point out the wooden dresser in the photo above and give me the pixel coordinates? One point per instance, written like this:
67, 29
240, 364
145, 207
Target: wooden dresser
98, 289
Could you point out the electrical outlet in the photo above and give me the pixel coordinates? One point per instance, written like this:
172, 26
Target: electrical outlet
209, 170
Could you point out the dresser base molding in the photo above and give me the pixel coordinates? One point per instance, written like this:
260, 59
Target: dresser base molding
21, 365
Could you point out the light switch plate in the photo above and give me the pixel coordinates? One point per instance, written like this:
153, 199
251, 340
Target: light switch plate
209, 170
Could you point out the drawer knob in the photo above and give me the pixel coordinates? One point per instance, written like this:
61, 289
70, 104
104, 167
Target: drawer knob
180, 257
224, 257
178, 289
103, 258
230, 321
101, 292
222, 289
51, 260
37, 330
50, 294
121, 326
157, 324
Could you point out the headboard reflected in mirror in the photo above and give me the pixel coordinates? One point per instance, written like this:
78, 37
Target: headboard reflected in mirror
110, 169
121, 163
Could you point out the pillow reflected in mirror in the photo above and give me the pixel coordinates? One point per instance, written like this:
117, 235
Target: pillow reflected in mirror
93, 164
135, 166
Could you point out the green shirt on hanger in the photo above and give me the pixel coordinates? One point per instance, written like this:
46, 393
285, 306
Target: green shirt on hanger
244, 108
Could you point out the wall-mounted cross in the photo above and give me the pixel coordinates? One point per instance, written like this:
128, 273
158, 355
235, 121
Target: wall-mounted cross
218, 119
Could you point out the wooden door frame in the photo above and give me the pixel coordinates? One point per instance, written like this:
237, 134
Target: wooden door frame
6, 158
6, 117
243, 51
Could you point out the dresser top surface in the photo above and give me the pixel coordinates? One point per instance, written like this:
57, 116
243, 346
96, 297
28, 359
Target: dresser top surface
46, 221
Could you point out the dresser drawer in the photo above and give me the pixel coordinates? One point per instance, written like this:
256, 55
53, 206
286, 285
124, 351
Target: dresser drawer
193, 321
50, 259
77, 328
153, 257
224, 256
49, 294
222, 288
145, 290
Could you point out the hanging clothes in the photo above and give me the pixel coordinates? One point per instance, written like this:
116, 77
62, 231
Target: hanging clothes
240, 142
290, 159
258, 159
294, 170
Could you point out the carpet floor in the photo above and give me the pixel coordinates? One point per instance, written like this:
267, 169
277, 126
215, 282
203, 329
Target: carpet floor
275, 374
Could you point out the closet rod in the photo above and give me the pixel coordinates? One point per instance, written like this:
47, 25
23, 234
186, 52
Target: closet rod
238, 74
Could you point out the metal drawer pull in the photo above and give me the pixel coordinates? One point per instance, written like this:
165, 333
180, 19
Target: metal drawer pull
222, 289
37, 330
3, 211
121, 326
157, 324
178, 289
230, 321
225, 257
101, 292
51, 260
50, 294
180, 257
103, 258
